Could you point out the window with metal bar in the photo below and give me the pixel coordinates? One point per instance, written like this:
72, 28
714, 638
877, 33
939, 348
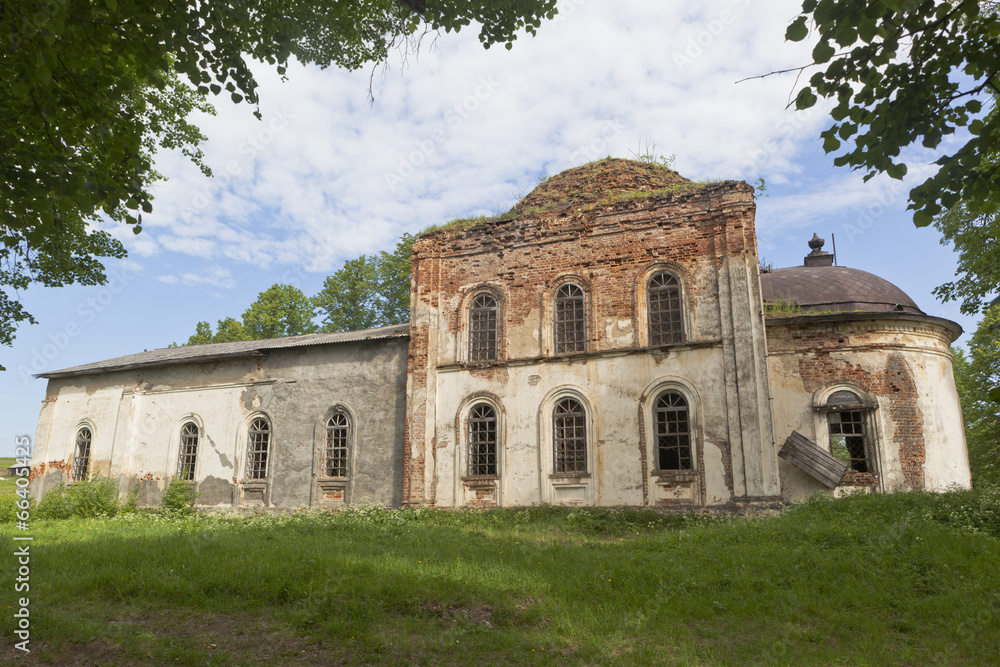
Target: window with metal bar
569, 423
483, 440
847, 438
483, 324
570, 319
81, 457
663, 293
188, 453
258, 442
338, 434
673, 432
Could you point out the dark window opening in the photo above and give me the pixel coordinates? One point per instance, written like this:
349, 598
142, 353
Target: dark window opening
258, 439
673, 432
188, 452
665, 321
483, 325
483, 441
847, 438
81, 459
570, 319
338, 433
569, 421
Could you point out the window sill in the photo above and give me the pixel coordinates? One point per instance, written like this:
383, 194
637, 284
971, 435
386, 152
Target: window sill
255, 484
667, 476
569, 477
331, 483
480, 482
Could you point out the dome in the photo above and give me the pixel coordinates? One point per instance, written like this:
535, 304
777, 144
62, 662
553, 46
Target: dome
834, 288
599, 181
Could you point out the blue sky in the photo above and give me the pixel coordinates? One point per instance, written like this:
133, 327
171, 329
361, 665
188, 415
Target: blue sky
459, 131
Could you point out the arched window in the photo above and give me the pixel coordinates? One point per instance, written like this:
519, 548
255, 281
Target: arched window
673, 432
188, 453
848, 433
665, 316
338, 438
483, 319
483, 440
258, 442
569, 423
81, 457
570, 319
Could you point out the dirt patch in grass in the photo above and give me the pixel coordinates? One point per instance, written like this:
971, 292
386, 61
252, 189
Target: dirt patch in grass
145, 637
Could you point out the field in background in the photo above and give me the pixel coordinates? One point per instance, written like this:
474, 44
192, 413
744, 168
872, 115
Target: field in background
905, 579
7, 484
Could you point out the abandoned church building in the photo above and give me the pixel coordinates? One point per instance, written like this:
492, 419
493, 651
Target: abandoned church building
610, 341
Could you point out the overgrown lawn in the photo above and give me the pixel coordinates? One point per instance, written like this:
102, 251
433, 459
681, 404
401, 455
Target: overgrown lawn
904, 579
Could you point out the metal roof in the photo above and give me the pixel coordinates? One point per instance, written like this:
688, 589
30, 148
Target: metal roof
834, 288
188, 354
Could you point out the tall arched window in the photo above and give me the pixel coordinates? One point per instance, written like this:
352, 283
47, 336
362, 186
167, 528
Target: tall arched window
188, 454
569, 316
338, 438
665, 315
483, 324
81, 455
849, 440
569, 437
258, 443
673, 432
483, 440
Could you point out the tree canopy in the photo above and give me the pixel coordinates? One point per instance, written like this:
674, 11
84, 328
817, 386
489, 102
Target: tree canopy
903, 71
93, 89
975, 375
364, 293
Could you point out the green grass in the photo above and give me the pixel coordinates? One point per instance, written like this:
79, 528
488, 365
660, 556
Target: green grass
905, 579
8, 485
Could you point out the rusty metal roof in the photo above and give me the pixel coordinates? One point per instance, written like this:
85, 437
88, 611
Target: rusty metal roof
187, 354
834, 288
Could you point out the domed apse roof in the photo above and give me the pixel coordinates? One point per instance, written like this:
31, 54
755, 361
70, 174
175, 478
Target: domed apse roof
834, 288
598, 181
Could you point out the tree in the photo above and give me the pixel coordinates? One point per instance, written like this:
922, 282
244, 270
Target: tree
280, 310
93, 89
228, 330
975, 375
368, 292
908, 70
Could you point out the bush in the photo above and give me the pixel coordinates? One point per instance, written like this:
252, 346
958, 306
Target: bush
179, 496
98, 496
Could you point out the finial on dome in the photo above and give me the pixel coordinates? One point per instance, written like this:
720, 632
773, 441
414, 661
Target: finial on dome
818, 256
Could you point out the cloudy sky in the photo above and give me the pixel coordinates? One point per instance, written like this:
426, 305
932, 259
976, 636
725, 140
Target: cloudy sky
460, 131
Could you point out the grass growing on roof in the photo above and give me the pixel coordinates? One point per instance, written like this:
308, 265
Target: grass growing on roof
904, 579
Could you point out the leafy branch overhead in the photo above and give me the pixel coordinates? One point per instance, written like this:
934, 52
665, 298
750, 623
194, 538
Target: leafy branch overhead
93, 89
902, 71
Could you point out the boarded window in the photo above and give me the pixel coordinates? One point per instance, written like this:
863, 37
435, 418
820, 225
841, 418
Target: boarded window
483, 328
258, 441
338, 434
188, 454
847, 438
569, 422
483, 440
570, 319
673, 432
81, 457
665, 321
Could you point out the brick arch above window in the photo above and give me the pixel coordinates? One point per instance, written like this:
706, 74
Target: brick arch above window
664, 315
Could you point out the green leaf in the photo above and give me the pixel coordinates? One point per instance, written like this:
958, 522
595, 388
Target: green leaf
797, 30
830, 143
995, 394
805, 99
823, 52
896, 171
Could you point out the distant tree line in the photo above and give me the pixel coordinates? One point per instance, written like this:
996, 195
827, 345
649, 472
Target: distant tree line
366, 292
